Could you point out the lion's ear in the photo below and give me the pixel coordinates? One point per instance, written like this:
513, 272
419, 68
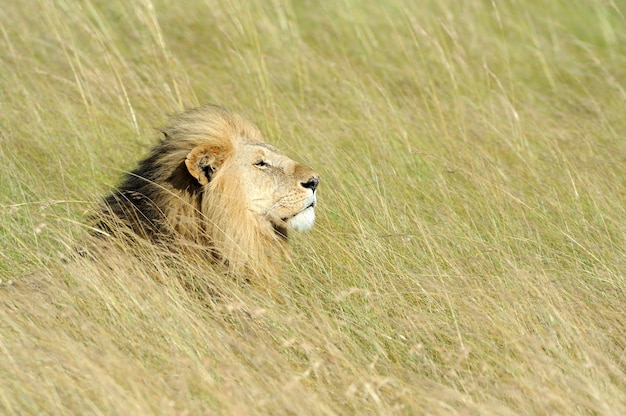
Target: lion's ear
203, 161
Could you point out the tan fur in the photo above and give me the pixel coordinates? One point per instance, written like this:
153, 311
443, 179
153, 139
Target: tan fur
213, 184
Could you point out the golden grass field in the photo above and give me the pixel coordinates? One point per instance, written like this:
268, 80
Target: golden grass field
469, 254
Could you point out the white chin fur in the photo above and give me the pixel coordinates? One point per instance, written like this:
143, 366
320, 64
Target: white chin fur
303, 221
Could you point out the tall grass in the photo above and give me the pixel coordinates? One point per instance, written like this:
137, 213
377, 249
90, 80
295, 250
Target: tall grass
469, 255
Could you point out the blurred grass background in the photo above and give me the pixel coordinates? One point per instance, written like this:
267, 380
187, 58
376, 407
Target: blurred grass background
469, 253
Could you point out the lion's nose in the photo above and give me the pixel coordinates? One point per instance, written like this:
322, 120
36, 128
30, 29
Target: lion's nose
311, 183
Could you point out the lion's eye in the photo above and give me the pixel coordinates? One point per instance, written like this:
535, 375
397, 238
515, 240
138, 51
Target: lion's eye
261, 164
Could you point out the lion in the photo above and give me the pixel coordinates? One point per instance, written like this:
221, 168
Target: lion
213, 183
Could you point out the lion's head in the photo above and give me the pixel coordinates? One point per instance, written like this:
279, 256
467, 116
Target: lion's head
213, 183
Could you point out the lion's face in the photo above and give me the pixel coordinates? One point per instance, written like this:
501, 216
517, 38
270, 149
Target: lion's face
276, 188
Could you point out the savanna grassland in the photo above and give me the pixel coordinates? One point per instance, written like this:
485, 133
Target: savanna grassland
469, 254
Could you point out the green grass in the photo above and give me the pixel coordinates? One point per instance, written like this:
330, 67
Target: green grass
469, 253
